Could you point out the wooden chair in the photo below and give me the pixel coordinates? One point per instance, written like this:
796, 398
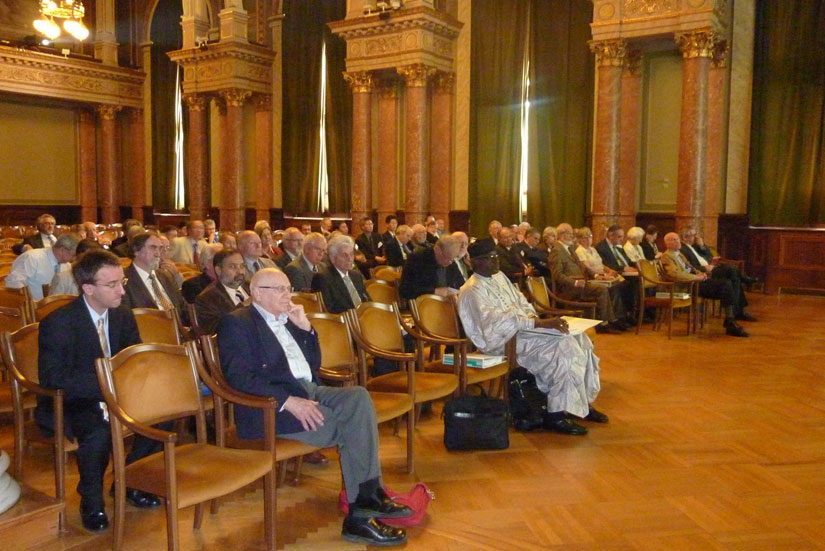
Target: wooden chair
437, 320
382, 291
585, 307
226, 433
313, 303
192, 313
125, 262
12, 319
377, 329
47, 305
20, 354
664, 306
16, 299
158, 326
148, 384
539, 296
386, 273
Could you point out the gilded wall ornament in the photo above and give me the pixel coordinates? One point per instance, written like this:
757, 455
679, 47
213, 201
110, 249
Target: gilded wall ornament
609, 53
359, 82
643, 8
697, 43
416, 75
195, 102
235, 97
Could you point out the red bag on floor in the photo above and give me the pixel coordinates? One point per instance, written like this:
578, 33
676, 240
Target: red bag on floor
416, 499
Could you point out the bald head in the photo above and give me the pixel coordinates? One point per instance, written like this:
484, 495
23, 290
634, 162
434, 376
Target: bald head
447, 249
672, 241
270, 289
249, 244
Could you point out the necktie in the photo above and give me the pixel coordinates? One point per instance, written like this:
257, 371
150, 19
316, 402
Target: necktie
239, 296
618, 254
195, 259
353, 294
104, 342
160, 298
257, 265
314, 269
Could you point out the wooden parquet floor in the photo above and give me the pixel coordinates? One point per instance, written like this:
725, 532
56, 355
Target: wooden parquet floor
714, 443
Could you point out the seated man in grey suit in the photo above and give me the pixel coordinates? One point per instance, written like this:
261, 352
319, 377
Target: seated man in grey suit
301, 270
250, 246
270, 349
341, 286
291, 246
146, 286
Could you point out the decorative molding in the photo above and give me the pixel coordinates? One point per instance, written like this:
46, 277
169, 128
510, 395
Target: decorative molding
697, 43
46, 75
195, 102
416, 75
645, 8
444, 83
609, 53
108, 112
411, 18
235, 97
360, 82
719, 54
633, 60
225, 66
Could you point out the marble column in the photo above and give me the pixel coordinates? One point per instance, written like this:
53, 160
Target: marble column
109, 211
441, 145
716, 143
263, 162
629, 142
232, 184
88, 165
696, 48
416, 158
610, 58
197, 155
360, 186
138, 168
388, 153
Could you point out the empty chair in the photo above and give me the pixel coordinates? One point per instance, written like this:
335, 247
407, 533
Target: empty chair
382, 291
312, 302
539, 296
47, 305
158, 326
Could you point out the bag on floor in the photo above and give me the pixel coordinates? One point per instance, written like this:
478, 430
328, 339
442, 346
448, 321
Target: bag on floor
476, 423
416, 499
527, 402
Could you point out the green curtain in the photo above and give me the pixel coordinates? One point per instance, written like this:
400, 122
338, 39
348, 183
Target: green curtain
304, 33
787, 169
498, 40
338, 121
561, 107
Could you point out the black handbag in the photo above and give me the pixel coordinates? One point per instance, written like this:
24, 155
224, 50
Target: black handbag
476, 423
527, 403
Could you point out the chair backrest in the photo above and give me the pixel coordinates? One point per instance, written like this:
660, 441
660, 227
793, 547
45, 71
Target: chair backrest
650, 275
436, 315
157, 326
12, 319
47, 305
17, 298
382, 291
211, 359
537, 288
337, 353
312, 302
125, 262
387, 273
192, 313
20, 352
152, 382
379, 325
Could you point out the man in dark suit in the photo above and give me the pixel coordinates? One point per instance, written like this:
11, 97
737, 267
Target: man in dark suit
71, 338
612, 253
370, 244
270, 349
460, 270
291, 247
194, 286
341, 286
427, 270
147, 287
44, 238
224, 294
432, 231
509, 260
301, 270
391, 224
398, 249
532, 255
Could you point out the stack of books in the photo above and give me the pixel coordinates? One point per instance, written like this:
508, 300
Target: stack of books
676, 296
479, 361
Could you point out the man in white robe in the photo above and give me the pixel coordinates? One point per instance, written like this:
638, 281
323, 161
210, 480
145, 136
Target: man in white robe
492, 310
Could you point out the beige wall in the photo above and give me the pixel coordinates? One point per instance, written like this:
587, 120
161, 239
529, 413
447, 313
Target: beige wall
38, 154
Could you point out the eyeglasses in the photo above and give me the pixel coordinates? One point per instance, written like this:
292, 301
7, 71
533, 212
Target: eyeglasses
487, 256
277, 288
114, 284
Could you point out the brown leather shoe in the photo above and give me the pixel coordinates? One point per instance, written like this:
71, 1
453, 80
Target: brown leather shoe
316, 458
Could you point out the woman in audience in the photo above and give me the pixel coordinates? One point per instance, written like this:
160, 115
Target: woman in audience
227, 239
590, 257
548, 239
633, 246
268, 247
648, 244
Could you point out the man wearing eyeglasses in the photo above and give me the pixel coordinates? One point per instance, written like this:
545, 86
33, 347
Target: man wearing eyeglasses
270, 349
301, 270
71, 338
291, 245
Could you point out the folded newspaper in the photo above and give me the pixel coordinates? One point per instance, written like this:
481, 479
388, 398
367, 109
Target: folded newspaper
479, 361
575, 326
677, 296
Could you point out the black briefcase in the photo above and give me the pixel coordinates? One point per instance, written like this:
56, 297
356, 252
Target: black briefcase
475, 423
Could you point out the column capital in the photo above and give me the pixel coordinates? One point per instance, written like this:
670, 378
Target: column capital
85, 115
360, 82
444, 82
387, 87
263, 102
609, 53
135, 115
719, 54
194, 101
633, 60
235, 97
697, 43
108, 112
416, 75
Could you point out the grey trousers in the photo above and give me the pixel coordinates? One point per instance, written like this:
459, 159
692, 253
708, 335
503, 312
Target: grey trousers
350, 424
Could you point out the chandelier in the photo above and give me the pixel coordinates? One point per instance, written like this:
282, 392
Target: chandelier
71, 11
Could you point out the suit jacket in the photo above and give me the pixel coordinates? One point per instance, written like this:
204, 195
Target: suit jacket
254, 362
673, 271
192, 287
34, 241
647, 248
605, 250
510, 262
181, 250
387, 236
565, 267
392, 249
300, 276
693, 259
265, 262
211, 305
68, 347
283, 259
432, 239
455, 279
371, 246
334, 290
419, 276
538, 258
138, 296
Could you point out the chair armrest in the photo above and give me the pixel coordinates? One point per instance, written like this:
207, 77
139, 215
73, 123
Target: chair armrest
431, 337
33, 387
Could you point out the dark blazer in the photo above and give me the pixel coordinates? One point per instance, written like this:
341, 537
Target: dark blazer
605, 250
34, 241
387, 236
647, 248
392, 249
455, 279
300, 276
694, 261
510, 262
254, 362
138, 296
282, 260
538, 258
211, 305
68, 347
334, 291
432, 239
192, 287
371, 246
419, 276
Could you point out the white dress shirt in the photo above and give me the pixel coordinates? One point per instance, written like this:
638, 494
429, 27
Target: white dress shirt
298, 364
33, 269
144, 276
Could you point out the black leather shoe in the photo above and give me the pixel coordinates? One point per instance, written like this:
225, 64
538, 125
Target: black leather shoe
734, 329
94, 518
747, 280
371, 531
744, 316
379, 505
596, 416
564, 426
316, 458
136, 498
605, 328
619, 325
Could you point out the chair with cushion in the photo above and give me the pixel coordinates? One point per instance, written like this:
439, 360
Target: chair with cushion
539, 296
382, 291
20, 353
47, 305
148, 384
158, 326
377, 330
664, 305
312, 302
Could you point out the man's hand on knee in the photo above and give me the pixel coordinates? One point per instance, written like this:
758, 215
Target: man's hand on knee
306, 411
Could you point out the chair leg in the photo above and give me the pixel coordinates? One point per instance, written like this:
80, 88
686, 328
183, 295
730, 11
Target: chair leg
299, 462
270, 509
60, 486
670, 322
171, 526
281, 472
410, 435
214, 505
119, 517
196, 525
19, 446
